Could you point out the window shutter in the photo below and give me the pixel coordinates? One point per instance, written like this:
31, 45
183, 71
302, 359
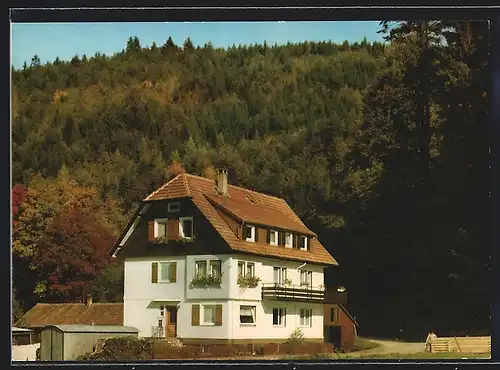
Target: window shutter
154, 272
173, 272
195, 315
256, 230
268, 238
309, 240
218, 315
173, 229
151, 230
295, 241
281, 238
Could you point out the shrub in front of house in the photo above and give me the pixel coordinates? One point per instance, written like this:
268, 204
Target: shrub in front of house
297, 336
121, 348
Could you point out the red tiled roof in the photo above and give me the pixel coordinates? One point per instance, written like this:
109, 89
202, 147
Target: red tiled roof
43, 314
250, 206
259, 214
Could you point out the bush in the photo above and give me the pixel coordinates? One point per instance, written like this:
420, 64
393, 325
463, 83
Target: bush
121, 348
297, 336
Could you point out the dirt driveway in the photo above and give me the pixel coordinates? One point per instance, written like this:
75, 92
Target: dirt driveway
388, 346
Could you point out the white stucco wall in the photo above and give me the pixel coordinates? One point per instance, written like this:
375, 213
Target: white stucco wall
264, 328
138, 285
221, 292
142, 299
25, 353
186, 330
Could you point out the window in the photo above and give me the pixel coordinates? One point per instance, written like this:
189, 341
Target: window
279, 275
161, 228
200, 268
279, 316
288, 240
246, 268
186, 227
215, 268
250, 269
174, 207
166, 272
208, 315
249, 233
162, 311
247, 314
303, 243
333, 314
273, 237
305, 278
305, 317
241, 268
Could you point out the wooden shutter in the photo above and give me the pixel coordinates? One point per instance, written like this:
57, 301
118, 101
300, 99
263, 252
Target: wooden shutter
296, 241
173, 272
309, 240
256, 231
195, 315
151, 230
173, 229
154, 272
218, 315
268, 238
281, 238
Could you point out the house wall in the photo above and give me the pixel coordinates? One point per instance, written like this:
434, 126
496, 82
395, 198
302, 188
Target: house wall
221, 292
265, 331
347, 327
25, 352
189, 333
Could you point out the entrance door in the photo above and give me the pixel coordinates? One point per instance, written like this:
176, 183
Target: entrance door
171, 322
332, 334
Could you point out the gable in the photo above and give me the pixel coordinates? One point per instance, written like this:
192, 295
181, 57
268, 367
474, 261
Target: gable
241, 204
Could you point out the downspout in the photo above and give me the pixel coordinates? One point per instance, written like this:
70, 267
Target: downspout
305, 263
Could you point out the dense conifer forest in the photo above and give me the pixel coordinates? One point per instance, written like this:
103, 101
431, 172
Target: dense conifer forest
381, 148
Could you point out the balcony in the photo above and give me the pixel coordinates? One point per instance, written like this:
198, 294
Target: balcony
295, 293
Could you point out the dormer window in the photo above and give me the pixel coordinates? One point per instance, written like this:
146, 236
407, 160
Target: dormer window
160, 228
249, 233
288, 240
174, 207
273, 237
303, 243
186, 227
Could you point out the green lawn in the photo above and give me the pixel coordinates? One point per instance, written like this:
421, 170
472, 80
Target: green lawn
395, 356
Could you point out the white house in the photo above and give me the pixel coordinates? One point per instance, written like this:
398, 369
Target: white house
214, 263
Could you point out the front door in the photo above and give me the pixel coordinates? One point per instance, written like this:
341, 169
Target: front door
171, 322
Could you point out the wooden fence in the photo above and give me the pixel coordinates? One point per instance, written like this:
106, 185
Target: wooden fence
461, 344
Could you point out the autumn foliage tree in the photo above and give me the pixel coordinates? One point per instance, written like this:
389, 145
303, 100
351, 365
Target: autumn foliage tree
74, 247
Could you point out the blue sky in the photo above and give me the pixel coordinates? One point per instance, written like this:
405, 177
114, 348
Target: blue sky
65, 40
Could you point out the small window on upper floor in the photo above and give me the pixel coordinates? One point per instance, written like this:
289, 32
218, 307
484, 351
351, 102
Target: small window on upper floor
273, 237
303, 243
174, 207
288, 240
160, 228
249, 233
186, 227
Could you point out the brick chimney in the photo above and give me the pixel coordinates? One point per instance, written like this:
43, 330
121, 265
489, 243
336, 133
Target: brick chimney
222, 182
89, 300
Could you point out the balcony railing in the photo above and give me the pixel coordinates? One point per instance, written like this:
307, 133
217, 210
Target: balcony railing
283, 292
158, 332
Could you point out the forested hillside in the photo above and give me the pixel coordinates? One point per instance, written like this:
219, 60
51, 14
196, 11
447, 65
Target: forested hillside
379, 148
